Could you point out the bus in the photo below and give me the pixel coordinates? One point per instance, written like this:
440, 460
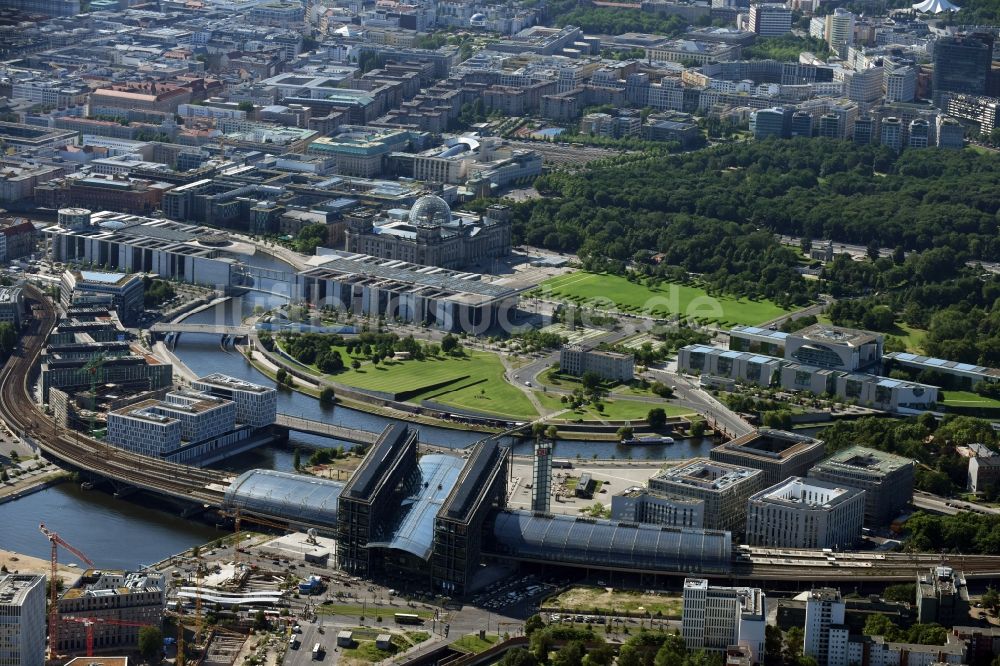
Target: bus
408, 618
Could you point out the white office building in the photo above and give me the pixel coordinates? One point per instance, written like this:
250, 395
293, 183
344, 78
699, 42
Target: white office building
612, 366
201, 415
770, 19
256, 405
900, 83
805, 513
638, 505
715, 618
839, 32
723, 489
825, 609
140, 429
22, 620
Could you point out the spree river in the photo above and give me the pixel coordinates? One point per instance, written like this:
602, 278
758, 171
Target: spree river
131, 532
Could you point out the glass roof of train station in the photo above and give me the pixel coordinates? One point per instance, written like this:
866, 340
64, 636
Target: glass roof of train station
295, 497
572, 540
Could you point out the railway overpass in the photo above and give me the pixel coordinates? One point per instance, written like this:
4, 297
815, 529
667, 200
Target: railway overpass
206, 487
18, 409
308, 426
163, 328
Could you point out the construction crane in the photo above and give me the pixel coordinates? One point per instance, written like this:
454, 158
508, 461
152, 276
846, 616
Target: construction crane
198, 580
89, 623
55, 541
93, 369
238, 518
179, 659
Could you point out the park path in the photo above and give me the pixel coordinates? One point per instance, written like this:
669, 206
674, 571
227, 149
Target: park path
509, 376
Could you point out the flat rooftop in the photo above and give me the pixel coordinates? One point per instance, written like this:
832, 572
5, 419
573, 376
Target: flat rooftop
837, 335
14, 588
597, 352
868, 460
771, 444
706, 474
798, 491
429, 281
105, 278
232, 383
932, 363
775, 336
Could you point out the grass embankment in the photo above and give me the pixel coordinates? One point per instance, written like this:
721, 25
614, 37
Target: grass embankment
473, 644
605, 291
473, 381
365, 649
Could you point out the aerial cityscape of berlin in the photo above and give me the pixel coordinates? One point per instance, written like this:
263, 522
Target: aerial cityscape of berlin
499, 332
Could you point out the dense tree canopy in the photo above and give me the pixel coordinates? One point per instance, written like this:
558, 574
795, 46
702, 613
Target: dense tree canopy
617, 21
818, 188
940, 470
785, 48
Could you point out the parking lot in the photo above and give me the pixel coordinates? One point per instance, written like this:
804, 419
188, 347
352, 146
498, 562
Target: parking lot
505, 595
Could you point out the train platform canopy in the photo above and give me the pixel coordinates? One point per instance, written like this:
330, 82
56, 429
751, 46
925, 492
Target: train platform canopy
414, 530
608, 543
300, 499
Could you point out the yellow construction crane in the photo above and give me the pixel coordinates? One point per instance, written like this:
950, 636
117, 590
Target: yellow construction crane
198, 580
238, 517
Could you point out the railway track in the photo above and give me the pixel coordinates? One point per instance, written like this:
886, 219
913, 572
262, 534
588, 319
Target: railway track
204, 486
19, 410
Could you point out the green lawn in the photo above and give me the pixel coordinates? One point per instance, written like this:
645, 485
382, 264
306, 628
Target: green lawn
912, 337
591, 599
616, 408
968, 399
630, 410
665, 300
474, 644
474, 381
552, 378
366, 651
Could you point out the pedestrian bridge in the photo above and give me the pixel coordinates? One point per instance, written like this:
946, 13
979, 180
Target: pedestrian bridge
299, 424
162, 328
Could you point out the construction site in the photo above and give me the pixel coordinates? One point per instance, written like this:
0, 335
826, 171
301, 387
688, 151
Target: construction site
214, 605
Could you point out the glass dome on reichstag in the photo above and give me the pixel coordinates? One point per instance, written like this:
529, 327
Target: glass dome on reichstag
430, 211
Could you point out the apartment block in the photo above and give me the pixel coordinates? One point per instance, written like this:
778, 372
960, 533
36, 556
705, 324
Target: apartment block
715, 618
134, 597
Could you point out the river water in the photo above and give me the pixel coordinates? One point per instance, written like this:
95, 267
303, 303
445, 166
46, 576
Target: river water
128, 533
